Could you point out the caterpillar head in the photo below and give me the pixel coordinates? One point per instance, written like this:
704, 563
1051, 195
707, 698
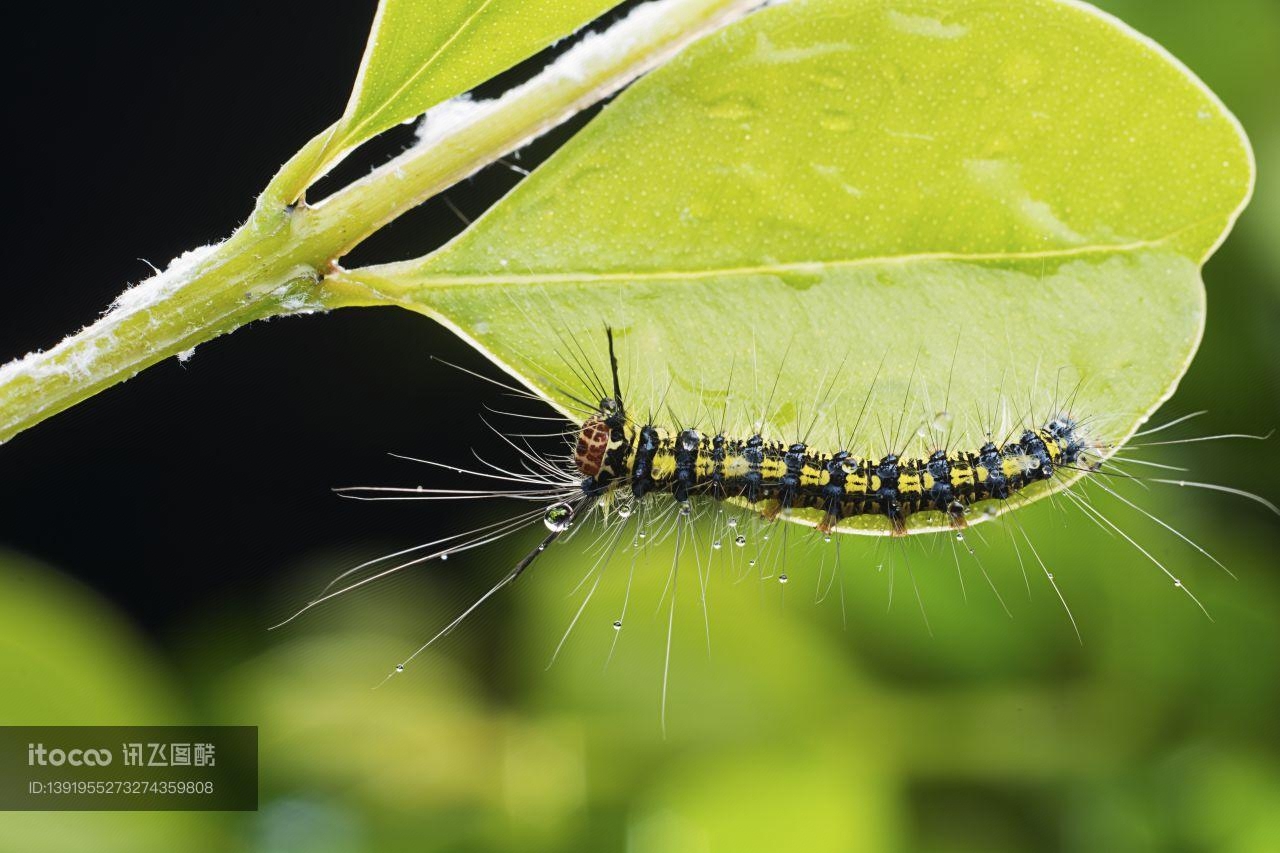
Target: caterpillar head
592, 445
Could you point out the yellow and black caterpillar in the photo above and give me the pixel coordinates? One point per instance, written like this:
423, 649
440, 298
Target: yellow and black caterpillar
775, 477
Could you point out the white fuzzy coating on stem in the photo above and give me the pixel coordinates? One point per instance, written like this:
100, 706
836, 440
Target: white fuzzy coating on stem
77, 353
595, 56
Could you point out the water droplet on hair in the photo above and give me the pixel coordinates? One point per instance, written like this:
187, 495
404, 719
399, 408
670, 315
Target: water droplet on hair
716, 544
740, 540
959, 535
686, 510
624, 510
826, 537
1177, 583
733, 521
444, 556
399, 667
751, 562
642, 534
558, 518
783, 578
1050, 574
617, 624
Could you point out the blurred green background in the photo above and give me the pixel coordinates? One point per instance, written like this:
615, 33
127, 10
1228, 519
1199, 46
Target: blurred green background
804, 728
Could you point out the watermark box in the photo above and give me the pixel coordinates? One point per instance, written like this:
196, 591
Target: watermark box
128, 768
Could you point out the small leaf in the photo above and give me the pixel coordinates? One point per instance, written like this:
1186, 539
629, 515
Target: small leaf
1006, 204
422, 52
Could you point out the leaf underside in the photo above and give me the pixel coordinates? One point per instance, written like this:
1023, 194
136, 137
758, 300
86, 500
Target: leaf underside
972, 215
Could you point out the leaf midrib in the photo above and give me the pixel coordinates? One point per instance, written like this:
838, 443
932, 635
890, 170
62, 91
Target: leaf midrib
781, 268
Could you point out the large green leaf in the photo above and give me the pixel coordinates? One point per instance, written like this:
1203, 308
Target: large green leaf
421, 52
1009, 199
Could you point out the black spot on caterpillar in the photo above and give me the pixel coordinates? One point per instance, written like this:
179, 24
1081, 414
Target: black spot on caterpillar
657, 480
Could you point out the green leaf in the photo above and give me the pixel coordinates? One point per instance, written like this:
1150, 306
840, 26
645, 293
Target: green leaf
422, 52
1012, 201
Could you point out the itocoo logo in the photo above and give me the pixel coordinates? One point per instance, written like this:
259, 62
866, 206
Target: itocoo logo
37, 754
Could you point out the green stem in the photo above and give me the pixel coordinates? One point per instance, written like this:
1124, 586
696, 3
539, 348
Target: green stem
278, 262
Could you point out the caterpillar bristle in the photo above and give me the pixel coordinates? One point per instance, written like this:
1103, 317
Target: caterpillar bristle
714, 494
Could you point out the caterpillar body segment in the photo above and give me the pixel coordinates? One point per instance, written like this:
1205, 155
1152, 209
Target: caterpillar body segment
773, 477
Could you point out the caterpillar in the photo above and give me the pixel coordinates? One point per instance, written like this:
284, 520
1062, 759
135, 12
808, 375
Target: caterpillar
645, 476
611, 453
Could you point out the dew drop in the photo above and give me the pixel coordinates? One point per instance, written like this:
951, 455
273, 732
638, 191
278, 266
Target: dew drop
829, 80
1050, 575
399, 667
733, 521
685, 510
783, 578
751, 562
444, 556
836, 121
1177, 583
826, 537
740, 540
716, 544
941, 421
732, 109
642, 534
558, 518
801, 280
624, 510
617, 624
959, 535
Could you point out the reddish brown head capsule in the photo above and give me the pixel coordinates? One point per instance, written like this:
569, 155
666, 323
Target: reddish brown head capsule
593, 442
